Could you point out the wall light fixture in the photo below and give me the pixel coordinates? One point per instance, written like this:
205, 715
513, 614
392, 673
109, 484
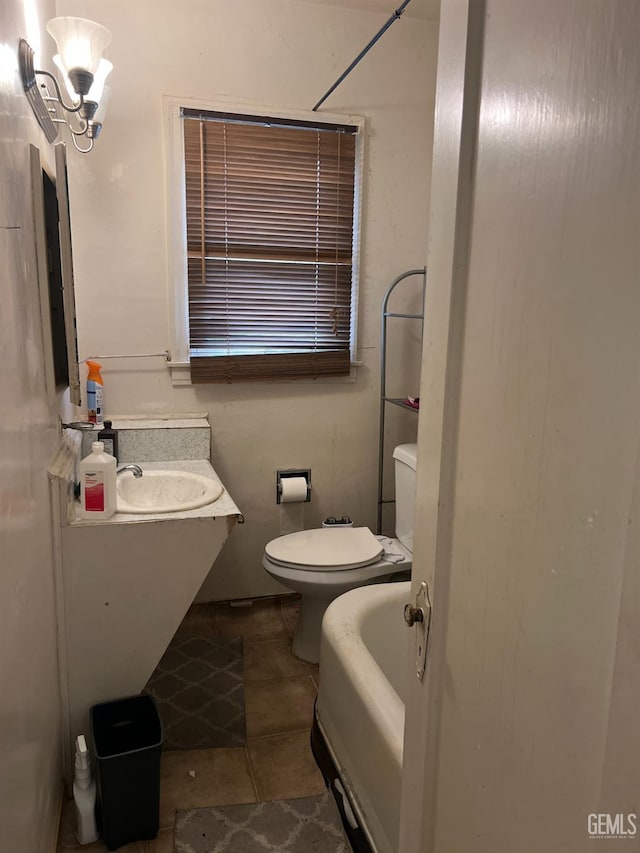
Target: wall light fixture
84, 71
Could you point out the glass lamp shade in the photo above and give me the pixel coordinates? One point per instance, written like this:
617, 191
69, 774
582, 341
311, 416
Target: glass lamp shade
97, 87
102, 105
80, 43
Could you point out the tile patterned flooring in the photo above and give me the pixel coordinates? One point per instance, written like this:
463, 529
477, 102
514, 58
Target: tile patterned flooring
276, 763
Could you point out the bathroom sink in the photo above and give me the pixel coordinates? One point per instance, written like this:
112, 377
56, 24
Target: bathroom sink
165, 491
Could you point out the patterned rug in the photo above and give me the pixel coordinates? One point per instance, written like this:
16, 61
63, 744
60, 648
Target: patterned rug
309, 825
199, 690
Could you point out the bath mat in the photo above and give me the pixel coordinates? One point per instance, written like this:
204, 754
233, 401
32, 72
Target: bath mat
309, 825
199, 690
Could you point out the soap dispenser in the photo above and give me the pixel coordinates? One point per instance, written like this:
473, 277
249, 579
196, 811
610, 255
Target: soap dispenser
84, 795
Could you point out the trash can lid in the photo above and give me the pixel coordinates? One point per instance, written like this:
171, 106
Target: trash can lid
124, 726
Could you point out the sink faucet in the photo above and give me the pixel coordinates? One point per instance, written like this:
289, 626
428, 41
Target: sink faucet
135, 469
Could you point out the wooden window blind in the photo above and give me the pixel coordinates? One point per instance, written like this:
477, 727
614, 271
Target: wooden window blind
269, 209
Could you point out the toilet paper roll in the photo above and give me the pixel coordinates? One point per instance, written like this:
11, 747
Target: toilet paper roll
294, 493
294, 490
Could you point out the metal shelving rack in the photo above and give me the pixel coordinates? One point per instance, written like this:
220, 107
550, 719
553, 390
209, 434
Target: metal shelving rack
395, 401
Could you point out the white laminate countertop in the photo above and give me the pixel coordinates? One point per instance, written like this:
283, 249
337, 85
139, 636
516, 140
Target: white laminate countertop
124, 423
223, 506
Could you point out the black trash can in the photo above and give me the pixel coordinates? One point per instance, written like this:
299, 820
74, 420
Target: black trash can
127, 742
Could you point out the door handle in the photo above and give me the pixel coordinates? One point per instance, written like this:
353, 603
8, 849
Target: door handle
419, 616
412, 615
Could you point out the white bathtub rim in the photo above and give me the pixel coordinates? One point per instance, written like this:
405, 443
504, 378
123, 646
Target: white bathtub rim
385, 706
340, 622
379, 705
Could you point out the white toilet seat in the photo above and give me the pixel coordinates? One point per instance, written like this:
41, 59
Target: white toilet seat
332, 565
325, 549
332, 581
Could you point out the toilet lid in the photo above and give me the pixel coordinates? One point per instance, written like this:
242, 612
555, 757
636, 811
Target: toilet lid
326, 549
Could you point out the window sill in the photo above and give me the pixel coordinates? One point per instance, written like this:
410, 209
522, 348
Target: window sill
181, 375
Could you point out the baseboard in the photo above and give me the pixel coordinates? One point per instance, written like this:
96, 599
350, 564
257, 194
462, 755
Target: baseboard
61, 799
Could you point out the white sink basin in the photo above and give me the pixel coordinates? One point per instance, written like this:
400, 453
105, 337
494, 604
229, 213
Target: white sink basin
165, 491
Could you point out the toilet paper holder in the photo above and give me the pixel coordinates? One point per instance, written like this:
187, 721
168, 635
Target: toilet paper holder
293, 472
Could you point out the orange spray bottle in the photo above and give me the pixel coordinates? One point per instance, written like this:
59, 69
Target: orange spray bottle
95, 393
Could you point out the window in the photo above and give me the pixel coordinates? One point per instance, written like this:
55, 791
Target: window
269, 240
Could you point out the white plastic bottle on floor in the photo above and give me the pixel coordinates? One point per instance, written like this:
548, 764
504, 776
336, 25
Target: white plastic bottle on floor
84, 794
98, 483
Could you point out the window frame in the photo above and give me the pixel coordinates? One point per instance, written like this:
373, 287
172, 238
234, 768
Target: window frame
176, 227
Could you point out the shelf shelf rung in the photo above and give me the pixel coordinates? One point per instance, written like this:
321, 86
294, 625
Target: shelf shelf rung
406, 316
397, 401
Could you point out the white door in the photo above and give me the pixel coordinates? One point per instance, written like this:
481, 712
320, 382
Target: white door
523, 736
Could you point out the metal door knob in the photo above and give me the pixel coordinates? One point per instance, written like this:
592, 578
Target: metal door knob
412, 615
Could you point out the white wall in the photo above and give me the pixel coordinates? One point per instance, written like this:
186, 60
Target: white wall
534, 556
30, 786
283, 54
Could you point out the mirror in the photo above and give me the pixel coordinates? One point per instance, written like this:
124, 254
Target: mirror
55, 274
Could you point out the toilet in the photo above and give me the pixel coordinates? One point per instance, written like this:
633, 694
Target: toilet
322, 563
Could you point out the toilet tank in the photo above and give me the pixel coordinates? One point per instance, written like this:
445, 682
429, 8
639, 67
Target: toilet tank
405, 456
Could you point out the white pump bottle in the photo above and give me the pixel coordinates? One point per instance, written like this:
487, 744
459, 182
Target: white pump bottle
84, 794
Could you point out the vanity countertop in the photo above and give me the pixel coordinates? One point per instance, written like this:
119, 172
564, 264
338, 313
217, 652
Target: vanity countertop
224, 506
143, 423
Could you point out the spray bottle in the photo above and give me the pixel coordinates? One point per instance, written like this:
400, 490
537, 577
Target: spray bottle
84, 794
95, 394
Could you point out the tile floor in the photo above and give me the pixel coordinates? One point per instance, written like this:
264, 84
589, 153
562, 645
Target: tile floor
279, 693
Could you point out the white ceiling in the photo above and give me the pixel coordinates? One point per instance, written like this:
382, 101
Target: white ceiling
425, 9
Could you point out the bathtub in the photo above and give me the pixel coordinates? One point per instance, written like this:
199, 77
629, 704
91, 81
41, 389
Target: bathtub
360, 707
